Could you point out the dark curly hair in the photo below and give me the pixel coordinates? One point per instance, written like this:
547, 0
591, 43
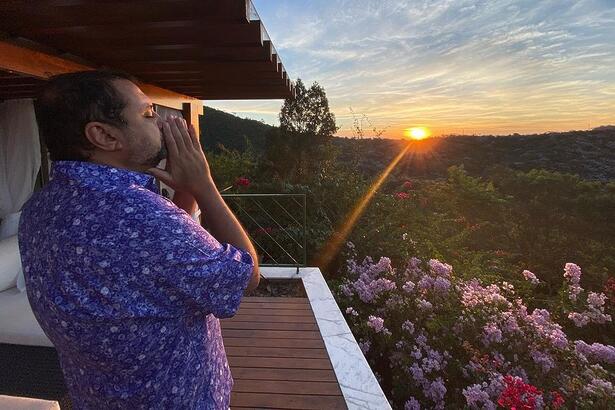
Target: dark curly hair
67, 102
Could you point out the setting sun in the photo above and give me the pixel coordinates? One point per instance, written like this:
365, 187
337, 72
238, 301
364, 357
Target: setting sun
417, 133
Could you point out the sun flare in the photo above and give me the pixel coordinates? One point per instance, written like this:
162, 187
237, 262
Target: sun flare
417, 133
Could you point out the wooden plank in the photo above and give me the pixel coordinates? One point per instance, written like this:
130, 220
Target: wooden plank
247, 310
275, 352
46, 14
215, 67
244, 95
275, 299
287, 401
264, 318
197, 76
236, 324
272, 334
288, 387
190, 51
265, 305
279, 363
283, 374
77, 39
278, 343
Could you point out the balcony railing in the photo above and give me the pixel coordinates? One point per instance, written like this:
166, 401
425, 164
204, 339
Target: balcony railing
276, 223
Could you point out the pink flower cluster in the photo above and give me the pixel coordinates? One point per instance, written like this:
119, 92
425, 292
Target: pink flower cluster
367, 286
530, 277
596, 352
475, 345
376, 323
572, 273
594, 310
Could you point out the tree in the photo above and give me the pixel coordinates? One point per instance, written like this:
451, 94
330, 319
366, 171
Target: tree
306, 128
308, 113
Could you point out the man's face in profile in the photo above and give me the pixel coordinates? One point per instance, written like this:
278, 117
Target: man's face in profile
142, 137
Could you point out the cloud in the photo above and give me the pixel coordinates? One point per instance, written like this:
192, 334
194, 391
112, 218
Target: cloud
491, 64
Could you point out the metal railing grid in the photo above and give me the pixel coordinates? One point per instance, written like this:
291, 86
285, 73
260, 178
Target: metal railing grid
276, 224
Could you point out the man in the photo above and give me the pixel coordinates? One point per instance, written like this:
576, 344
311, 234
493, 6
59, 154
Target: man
124, 283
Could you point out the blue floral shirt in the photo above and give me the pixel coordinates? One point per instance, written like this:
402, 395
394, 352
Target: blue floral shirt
129, 290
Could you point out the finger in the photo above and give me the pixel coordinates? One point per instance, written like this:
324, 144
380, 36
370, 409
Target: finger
169, 140
181, 125
162, 175
177, 135
193, 136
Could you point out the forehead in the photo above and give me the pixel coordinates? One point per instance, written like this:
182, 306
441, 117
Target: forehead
134, 97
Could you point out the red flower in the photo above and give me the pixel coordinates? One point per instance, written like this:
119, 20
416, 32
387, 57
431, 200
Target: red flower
408, 185
557, 400
402, 195
242, 181
518, 395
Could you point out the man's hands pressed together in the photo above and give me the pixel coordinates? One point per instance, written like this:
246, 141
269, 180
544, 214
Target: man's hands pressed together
187, 170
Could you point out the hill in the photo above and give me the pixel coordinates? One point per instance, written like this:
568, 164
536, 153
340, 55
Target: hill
219, 127
589, 154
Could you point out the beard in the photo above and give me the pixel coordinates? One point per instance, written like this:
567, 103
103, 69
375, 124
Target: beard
162, 153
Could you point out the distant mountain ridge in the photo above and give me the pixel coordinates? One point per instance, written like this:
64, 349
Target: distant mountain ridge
589, 154
219, 127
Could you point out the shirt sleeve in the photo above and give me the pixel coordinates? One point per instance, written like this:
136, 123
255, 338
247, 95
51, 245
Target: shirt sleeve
192, 271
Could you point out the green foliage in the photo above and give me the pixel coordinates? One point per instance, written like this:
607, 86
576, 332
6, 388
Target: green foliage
228, 165
301, 147
308, 114
220, 128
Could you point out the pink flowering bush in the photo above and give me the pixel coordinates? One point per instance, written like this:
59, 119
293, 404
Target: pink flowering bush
438, 341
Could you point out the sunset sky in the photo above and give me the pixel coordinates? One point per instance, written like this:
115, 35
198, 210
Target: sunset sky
454, 66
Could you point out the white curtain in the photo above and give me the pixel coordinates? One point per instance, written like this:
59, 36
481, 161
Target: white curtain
20, 154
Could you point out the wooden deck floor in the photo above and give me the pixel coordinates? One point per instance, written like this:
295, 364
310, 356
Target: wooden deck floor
278, 358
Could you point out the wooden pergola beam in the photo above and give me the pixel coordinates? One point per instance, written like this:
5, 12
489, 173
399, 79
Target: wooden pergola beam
39, 65
33, 63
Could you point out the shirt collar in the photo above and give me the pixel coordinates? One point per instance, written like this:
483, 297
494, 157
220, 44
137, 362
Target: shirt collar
101, 176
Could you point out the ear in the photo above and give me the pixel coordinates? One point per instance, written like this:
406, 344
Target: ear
103, 136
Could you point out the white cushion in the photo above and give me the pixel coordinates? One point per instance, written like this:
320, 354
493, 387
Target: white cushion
9, 225
18, 325
21, 281
10, 262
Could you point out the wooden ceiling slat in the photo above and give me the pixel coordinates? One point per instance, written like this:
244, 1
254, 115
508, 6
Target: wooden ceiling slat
50, 14
197, 75
111, 37
18, 87
206, 83
190, 51
129, 29
140, 67
243, 96
11, 82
